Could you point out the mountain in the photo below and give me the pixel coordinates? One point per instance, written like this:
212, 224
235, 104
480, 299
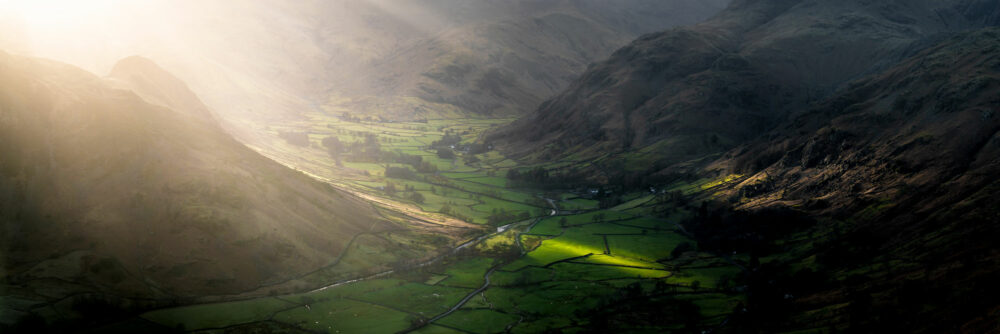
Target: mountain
856, 144
260, 62
689, 93
506, 64
138, 193
155, 85
908, 157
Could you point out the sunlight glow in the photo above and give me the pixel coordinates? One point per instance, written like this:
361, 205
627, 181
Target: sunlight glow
60, 14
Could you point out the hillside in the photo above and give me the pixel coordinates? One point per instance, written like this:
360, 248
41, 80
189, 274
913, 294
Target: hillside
136, 197
506, 64
263, 62
694, 92
487, 166
99, 173
908, 159
846, 149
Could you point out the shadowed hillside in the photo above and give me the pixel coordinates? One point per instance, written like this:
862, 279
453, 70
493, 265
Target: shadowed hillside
694, 92
507, 64
854, 144
909, 158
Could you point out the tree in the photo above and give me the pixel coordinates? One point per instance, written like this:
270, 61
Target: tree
295, 138
681, 249
445, 153
399, 173
417, 197
333, 147
416, 321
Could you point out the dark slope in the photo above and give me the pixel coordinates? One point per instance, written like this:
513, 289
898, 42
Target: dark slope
908, 160
691, 92
863, 136
104, 190
505, 64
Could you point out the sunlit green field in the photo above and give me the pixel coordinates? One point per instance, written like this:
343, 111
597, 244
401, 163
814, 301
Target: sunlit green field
542, 289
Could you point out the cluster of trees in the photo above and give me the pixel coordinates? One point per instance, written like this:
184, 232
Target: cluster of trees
445, 153
500, 217
400, 173
450, 138
448, 210
347, 117
370, 150
416, 161
634, 307
720, 228
534, 175
333, 147
367, 150
539, 177
295, 138
414, 195
505, 252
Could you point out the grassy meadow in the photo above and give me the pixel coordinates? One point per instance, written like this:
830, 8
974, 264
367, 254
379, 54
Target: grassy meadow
547, 271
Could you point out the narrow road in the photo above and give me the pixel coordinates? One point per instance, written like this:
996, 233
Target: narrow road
486, 284
501, 229
467, 297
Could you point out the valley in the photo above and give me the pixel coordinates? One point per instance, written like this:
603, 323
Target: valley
488, 166
554, 259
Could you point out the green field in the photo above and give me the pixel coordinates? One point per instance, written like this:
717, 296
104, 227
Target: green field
547, 276
561, 278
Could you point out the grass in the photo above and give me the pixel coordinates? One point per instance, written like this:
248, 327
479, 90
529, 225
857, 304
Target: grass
416, 298
646, 247
479, 321
633, 203
522, 277
529, 287
556, 250
218, 315
435, 279
492, 181
591, 272
522, 288
468, 273
549, 298
436, 329
579, 204
345, 316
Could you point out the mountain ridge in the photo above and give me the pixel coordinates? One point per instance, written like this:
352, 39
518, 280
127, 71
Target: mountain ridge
675, 97
849, 136
138, 193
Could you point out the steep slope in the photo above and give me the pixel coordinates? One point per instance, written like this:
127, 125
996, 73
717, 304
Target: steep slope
908, 159
860, 138
694, 92
149, 198
261, 62
508, 64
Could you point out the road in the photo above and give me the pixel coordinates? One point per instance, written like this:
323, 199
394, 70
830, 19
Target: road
486, 284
